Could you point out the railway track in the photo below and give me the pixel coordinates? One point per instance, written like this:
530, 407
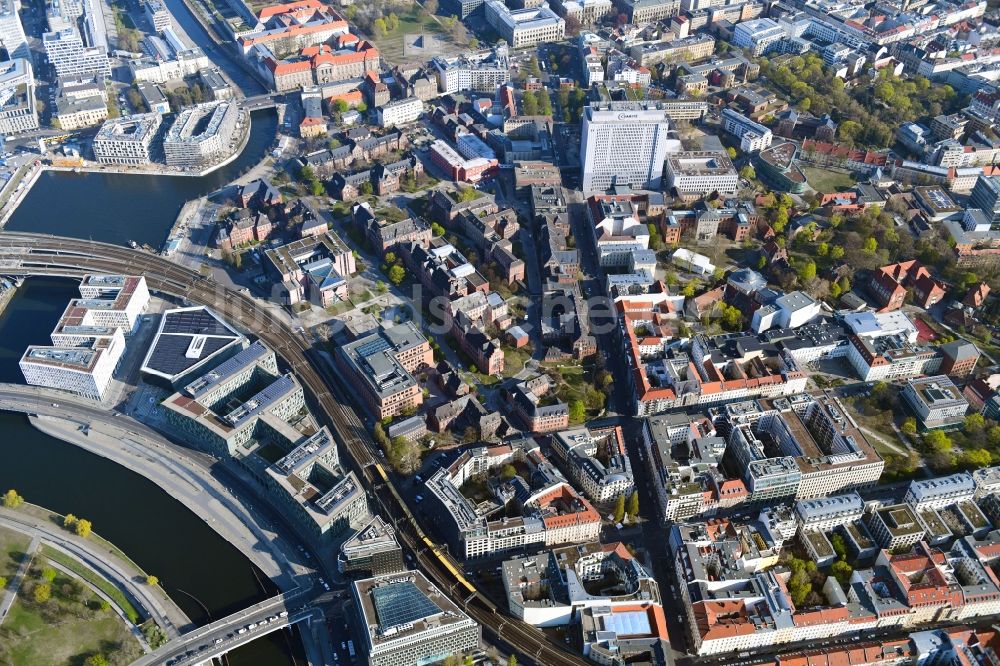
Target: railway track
74, 258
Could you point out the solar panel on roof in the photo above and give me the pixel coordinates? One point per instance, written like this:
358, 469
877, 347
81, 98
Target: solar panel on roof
401, 603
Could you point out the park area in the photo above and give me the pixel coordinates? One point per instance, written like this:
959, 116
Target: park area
413, 35
58, 619
826, 181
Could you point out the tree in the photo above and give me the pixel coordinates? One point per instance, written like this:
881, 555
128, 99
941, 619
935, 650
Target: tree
690, 289
96, 660
870, 247
836, 252
975, 458
361, 107
512, 660
732, 318
396, 274
366, 188
909, 426
974, 423
748, 172
508, 472
808, 271
731, 152
152, 580
473, 43
12, 500
632, 508
69, 520
42, 593
577, 412
3, 582
83, 528
529, 103
437, 229
380, 27
839, 546
49, 574
619, 512
341, 106
431, 7
842, 571
938, 441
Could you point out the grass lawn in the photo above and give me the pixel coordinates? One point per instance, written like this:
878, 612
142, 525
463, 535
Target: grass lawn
96, 580
64, 630
823, 180
12, 547
392, 46
513, 361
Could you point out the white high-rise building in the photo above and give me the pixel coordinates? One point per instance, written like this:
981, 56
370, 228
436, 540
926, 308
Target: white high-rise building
126, 140
12, 37
71, 58
624, 143
17, 97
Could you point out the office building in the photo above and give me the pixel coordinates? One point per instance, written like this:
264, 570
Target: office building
960, 358
18, 112
189, 342
313, 269
484, 71
550, 511
759, 36
940, 492
823, 514
404, 619
202, 135
624, 143
986, 197
586, 12
238, 404
400, 112
752, 135
381, 366
596, 461
12, 38
323, 498
89, 338
647, 11
158, 15
154, 99
74, 113
183, 64
71, 58
695, 174
372, 551
126, 140
525, 27
935, 401
895, 526
551, 589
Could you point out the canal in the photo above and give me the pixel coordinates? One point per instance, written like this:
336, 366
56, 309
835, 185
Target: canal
202, 572
117, 208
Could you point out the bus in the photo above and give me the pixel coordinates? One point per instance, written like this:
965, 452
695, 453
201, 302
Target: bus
350, 648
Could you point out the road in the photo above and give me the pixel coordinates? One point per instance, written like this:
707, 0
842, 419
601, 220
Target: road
75, 257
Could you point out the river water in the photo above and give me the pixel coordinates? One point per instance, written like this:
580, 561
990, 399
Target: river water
202, 572
117, 208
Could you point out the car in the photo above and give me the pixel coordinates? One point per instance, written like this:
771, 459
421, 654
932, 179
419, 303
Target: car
418, 499
218, 641
241, 630
283, 614
252, 625
343, 645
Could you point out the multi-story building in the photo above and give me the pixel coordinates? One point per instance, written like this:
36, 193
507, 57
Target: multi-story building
549, 589
372, 551
883, 346
158, 15
484, 71
960, 358
12, 37
816, 447
624, 143
695, 174
823, 514
759, 36
585, 12
89, 338
552, 512
381, 365
940, 492
184, 63
243, 399
400, 112
986, 197
76, 112
126, 140
18, 112
313, 269
647, 11
525, 27
895, 526
457, 167
596, 461
323, 498
935, 401
752, 135
402, 618
189, 342
534, 413
202, 135
70, 57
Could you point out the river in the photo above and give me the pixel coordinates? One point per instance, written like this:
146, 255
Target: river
117, 208
202, 572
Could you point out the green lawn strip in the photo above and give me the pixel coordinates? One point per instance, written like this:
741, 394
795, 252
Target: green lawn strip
13, 544
826, 181
96, 580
